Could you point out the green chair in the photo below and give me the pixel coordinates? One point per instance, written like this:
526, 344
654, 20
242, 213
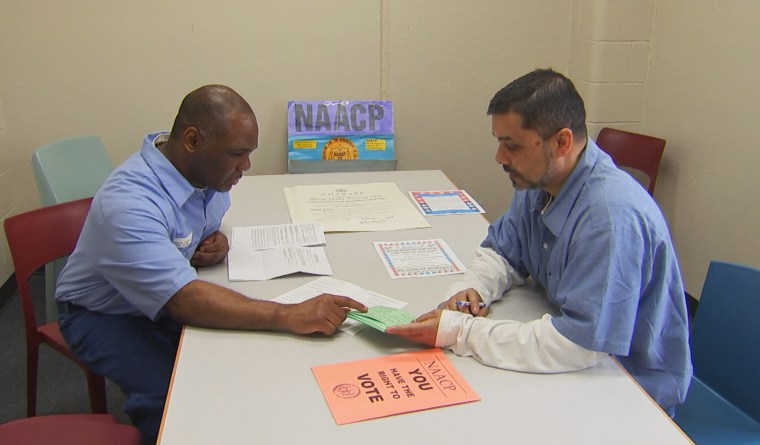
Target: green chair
67, 170
722, 406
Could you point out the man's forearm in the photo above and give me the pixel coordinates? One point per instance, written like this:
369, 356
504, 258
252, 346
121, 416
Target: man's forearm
203, 304
535, 346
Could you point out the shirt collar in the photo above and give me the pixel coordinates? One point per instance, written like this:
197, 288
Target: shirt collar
557, 213
178, 188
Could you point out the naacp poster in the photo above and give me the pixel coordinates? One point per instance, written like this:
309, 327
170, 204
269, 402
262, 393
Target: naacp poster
340, 130
389, 385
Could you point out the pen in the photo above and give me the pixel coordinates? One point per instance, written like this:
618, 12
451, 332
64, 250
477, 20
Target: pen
467, 303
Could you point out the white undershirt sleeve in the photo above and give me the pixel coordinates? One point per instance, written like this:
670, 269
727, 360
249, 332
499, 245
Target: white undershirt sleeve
489, 274
535, 346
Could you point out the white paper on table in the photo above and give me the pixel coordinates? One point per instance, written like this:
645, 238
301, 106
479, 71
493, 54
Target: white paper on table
418, 258
328, 285
248, 264
278, 235
445, 202
353, 207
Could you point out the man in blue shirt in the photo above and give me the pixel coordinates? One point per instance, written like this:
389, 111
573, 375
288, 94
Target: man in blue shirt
585, 231
130, 284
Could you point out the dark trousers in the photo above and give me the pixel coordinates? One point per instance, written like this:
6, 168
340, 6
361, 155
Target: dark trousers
134, 352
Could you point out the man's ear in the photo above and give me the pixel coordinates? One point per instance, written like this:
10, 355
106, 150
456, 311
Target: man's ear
191, 139
564, 141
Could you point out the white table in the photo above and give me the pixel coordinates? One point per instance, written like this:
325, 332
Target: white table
257, 387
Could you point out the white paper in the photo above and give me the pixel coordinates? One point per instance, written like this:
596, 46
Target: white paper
353, 207
278, 235
445, 202
248, 264
327, 285
418, 258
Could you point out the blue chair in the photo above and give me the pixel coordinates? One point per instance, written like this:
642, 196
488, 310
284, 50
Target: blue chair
67, 170
723, 403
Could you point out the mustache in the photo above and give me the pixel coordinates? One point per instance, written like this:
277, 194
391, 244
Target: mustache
506, 169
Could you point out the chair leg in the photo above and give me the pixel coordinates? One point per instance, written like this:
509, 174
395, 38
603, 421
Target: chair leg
32, 355
96, 386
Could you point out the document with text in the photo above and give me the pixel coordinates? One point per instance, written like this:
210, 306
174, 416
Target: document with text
269, 251
445, 202
353, 207
329, 285
249, 265
278, 235
418, 258
394, 384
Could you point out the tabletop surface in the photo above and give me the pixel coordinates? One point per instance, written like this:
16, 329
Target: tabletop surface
236, 387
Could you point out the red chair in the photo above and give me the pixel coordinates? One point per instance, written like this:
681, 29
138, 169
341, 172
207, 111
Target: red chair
35, 238
633, 150
69, 429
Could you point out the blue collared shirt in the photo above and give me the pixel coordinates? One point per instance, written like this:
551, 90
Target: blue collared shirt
603, 252
143, 227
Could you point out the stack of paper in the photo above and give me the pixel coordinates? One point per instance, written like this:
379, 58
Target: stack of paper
264, 252
381, 317
327, 285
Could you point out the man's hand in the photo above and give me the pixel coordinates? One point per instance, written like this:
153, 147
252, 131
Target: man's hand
324, 313
470, 296
211, 250
422, 330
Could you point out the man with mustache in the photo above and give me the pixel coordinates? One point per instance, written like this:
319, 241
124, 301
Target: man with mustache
585, 231
131, 282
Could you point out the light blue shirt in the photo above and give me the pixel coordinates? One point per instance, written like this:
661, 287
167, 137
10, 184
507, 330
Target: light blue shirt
603, 252
143, 227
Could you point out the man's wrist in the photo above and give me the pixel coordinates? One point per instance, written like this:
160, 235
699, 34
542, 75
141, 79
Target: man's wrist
449, 327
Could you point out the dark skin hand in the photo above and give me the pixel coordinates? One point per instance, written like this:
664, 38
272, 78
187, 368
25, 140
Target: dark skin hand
204, 304
211, 250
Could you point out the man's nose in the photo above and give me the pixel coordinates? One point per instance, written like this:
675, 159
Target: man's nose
502, 157
247, 164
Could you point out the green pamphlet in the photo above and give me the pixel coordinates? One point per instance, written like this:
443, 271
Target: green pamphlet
381, 317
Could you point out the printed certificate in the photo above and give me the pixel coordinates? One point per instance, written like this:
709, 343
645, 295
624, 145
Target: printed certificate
445, 202
418, 258
353, 207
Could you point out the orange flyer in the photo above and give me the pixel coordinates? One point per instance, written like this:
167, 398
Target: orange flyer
389, 385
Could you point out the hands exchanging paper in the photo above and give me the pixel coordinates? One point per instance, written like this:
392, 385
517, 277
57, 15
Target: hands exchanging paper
425, 328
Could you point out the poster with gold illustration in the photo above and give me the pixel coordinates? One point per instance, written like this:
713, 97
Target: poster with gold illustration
340, 131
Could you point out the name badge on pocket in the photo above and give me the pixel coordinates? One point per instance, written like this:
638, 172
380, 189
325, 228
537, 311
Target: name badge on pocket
182, 243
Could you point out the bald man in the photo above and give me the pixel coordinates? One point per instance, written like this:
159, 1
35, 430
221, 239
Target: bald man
130, 284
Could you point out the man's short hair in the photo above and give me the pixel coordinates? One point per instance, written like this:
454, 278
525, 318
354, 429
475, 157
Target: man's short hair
208, 109
546, 100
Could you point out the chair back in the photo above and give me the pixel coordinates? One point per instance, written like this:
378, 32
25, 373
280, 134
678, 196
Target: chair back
70, 169
36, 238
633, 150
724, 336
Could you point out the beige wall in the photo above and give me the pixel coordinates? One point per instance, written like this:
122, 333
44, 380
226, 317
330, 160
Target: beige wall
702, 96
446, 63
119, 69
7, 196
609, 60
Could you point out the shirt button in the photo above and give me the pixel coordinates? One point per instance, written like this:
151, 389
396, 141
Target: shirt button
546, 246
